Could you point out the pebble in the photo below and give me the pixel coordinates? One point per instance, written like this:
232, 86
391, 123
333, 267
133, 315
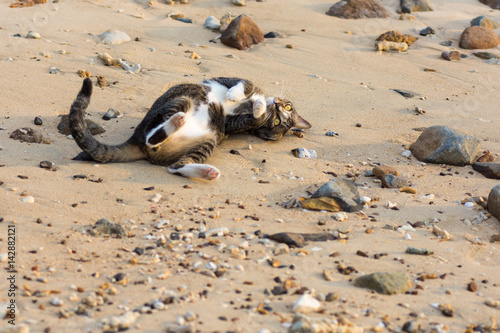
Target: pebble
304, 153
365, 199
489, 170
451, 55
387, 283
110, 114
33, 35
410, 6
273, 34
28, 199
38, 121
306, 304
119, 323
239, 3
391, 181
340, 216
222, 231
381, 171
56, 301
423, 252
114, 37
397, 37
156, 198
54, 70
212, 23
331, 133
47, 165
427, 31
343, 191
106, 227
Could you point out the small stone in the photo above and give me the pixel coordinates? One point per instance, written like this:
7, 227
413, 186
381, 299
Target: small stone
305, 304
331, 133
391, 46
358, 9
422, 252
112, 113
381, 171
489, 170
472, 286
340, 216
477, 37
273, 34
411, 6
33, 35
486, 56
343, 191
485, 22
444, 145
28, 199
290, 46
240, 3
407, 189
38, 121
242, 33
494, 202
281, 249
387, 283
391, 181
114, 37
330, 297
156, 198
83, 74
194, 56
406, 17
304, 153
289, 238
27, 134
47, 165
212, 23
427, 31
56, 301
395, 36
451, 55
107, 228
447, 310
119, 323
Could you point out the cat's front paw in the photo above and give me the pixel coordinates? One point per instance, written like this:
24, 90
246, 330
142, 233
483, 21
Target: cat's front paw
259, 108
236, 93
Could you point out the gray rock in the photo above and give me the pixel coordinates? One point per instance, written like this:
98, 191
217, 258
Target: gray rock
489, 170
484, 21
358, 9
343, 191
494, 202
106, 227
486, 55
212, 23
288, 238
410, 6
495, 4
391, 181
387, 283
112, 113
242, 33
445, 145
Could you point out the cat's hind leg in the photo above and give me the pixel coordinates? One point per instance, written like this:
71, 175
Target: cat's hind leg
191, 163
161, 132
203, 171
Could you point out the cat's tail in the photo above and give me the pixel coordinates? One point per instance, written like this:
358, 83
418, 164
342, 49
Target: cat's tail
99, 152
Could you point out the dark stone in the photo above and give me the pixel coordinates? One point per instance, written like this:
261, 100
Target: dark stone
387, 283
489, 170
478, 38
444, 145
27, 134
395, 36
358, 9
405, 94
319, 237
63, 126
273, 34
343, 191
139, 251
279, 290
446, 43
289, 238
185, 20
451, 55
391, 181
485, 22
119, 277
486, 55
107, 228
495, 4
494, 202
47, 165
410, 6
175, 236
427, 31
242, 33
112, 113
38, 121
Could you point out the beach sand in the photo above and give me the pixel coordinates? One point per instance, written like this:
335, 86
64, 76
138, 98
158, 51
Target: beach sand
335, 79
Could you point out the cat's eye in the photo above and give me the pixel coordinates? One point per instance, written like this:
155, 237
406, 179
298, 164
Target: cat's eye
277, 121
288, 107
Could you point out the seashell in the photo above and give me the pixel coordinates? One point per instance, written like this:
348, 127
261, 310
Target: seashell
114, 37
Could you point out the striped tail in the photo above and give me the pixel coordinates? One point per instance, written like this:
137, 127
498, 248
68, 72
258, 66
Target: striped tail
99, 152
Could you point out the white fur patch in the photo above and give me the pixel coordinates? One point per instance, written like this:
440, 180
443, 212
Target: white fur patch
259, 105
218, 94
204, 171
195, 123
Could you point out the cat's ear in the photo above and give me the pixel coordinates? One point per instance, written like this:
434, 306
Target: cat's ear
302, 123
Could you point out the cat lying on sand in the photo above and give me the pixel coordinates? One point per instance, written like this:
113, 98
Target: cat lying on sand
183, 126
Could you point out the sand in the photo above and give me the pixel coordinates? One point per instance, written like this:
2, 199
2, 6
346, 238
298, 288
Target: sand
335, 80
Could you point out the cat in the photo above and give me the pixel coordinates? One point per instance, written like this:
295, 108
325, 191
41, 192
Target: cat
183, 126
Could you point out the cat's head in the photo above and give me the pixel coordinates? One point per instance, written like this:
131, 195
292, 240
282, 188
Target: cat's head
280, 117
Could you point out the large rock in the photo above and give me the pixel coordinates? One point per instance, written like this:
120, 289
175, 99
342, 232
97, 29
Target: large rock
358, 9
495, 4
410, 6
494, 202
343, 191
489, 170
478, 38
485, 22
387, 283
445, 145
242, 33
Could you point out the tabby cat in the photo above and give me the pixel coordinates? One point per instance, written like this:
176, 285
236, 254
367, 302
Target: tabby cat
183, 125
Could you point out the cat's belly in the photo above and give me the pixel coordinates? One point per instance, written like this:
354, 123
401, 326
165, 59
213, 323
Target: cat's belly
196, 124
